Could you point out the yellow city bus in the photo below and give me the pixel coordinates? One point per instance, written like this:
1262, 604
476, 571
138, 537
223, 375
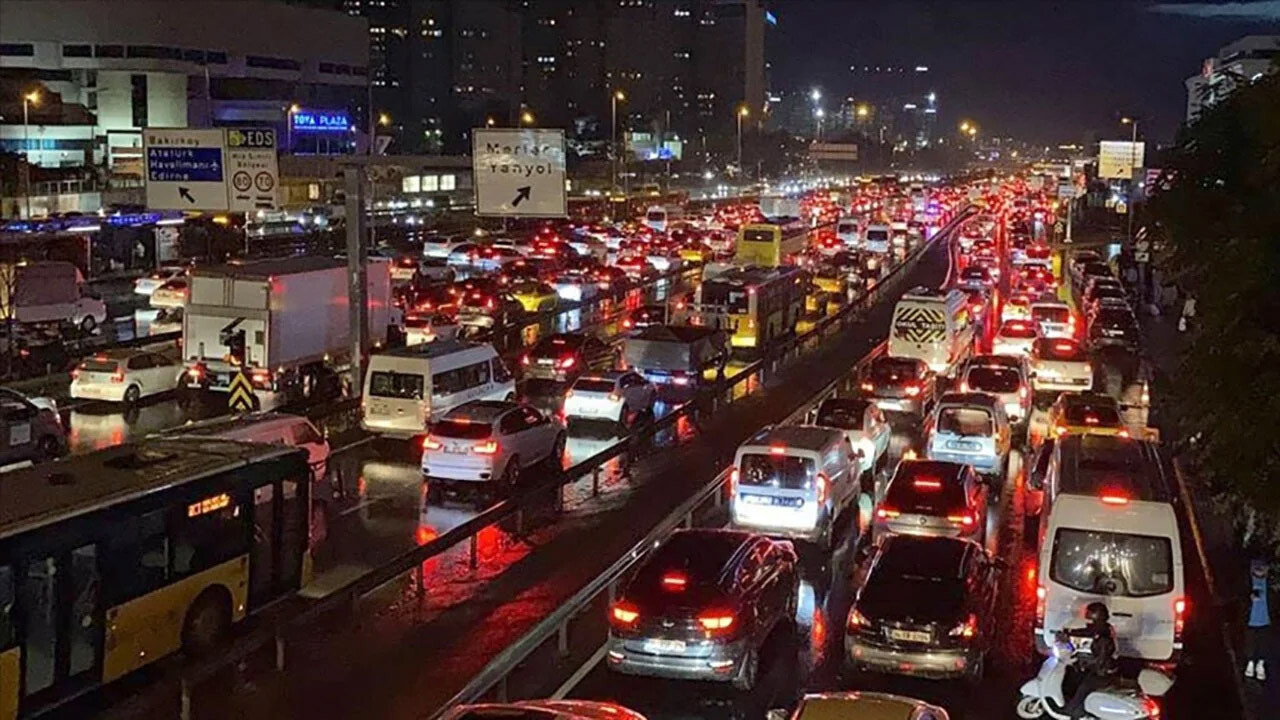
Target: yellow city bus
769, 245
754, 304
112, 560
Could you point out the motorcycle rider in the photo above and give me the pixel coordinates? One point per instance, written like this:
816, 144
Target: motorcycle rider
1099, 666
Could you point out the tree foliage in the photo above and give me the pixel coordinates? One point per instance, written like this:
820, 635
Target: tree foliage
1221, 215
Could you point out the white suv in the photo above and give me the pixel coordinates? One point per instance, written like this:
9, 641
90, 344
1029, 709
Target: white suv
480, 448
621, 397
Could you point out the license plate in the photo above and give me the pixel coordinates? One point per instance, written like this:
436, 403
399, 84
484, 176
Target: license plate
664, 646
915, 636
963, 445
889, 404
772, 501
455, 450
544, 361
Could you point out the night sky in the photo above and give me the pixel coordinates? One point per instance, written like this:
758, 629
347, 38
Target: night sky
1037, 70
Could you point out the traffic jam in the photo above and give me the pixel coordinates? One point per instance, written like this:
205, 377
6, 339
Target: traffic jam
991, 452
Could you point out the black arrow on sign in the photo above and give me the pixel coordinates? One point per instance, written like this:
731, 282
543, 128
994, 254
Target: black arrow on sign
186, 195
521, 194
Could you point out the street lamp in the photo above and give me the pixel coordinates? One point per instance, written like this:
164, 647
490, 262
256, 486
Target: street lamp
384, 119
613, 133
526, 118
815, 94
31, 98
742, 112
863, 111
490, 122
288, 127
964, 126
818, 115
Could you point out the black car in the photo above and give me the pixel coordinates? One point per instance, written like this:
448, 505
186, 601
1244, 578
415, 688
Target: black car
702, 605
1112, 326
902, 385
926, 608
564, 356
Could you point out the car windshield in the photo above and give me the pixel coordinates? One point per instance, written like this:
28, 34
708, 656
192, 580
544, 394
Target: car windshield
558, 345
958, 420
994, 379
391, 384
1109, 563
461, 429
776, 471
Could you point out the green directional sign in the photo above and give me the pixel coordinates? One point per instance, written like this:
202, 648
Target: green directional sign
241, 399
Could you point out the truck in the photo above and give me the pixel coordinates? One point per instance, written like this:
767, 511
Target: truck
779, 209
284, 323
677, 355
49, 292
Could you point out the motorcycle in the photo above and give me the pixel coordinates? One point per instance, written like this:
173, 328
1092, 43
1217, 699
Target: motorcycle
1042, 695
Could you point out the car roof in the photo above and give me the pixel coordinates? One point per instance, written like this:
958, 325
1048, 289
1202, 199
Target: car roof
860, 706
938, 554
1009, 361
794, 437
979, 399
481, 410
612, 375
1091, 464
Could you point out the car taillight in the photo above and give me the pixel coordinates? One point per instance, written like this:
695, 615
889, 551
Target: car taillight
856, 620
867, 387
716, 620
964, 386
1060, 429
489, 447
886, 513
1041, 596
1022, 392
1151, 707
627, 323
430, 443
615, 397
675, 581
823, 484
965, 519
912, 390
1123, 433
624, 615
1179, 618
117, 376
966, 629
524, 360
567, 362
75, 374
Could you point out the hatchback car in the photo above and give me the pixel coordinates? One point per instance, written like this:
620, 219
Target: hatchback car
1086, 414
970, 428
860, 706
1113, 327
702, 605
900, 384
926, 608
930, 497
30, 428
125, 376
152, 281
564, 356
1060, 365
1053, 319
1014, 337
481, 448
621, 397
1006, 377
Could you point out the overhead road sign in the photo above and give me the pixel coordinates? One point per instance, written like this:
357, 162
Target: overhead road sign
185, 168
252, 170
519, 172
837, 152
1117, 158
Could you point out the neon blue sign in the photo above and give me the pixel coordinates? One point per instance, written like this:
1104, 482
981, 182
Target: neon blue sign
320, 121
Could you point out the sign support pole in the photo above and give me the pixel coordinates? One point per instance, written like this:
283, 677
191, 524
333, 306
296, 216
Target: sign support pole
357, 289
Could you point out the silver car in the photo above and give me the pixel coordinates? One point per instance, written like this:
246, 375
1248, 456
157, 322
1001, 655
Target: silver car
32, 429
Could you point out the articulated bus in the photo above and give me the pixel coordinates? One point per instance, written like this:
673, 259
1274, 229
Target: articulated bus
756, 305
769, 245
112, 560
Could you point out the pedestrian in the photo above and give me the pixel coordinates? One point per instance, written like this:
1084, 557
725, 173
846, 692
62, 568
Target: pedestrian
1188, 312
1257, 631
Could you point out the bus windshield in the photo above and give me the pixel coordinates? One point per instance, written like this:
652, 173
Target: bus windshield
734, 297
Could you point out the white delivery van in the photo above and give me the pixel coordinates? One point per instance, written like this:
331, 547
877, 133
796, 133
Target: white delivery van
933, 326
794, 481
877, 238
1110, 535
408, 388
847, 233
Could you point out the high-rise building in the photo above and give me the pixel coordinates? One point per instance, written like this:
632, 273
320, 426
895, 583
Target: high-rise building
1239, 63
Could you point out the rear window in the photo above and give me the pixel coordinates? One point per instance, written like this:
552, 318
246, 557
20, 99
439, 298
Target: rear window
877, 235
994, 380
461, 429
1022, 331
893, 371
776, 471
599, 386
1108, 563
1051, 314
100, 366
1091, 414
1117, 318
558, 344
1064, 350
927, 493
390, 384
843, 413
966, 421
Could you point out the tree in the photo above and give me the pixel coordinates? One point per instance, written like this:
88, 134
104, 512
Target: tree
1221, 214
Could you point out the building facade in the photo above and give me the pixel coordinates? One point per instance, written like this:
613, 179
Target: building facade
130, 64
1239, 63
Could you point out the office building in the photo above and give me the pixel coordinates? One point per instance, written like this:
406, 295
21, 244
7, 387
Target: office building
124, 65
1239, 63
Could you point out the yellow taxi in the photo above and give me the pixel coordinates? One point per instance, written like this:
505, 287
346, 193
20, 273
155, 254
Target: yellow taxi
696, 253
534, 295
1086, 414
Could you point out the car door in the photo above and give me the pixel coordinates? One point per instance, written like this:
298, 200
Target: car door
513, 437
165, 372
17, 431
138, 372
540, 434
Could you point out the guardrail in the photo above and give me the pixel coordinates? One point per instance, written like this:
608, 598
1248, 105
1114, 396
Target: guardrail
274, 625
556, 625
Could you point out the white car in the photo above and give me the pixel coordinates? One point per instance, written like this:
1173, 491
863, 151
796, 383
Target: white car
125, 375
1014, 337
151, 282
864, 424
1055, 319
442, 246
619, 397
1017, 307
420, 329
1060, 365
481, 448
575, 286
172, 294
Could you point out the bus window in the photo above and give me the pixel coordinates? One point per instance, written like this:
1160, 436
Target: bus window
295, 534
40, 631
204, 534
137, 561
262, 565
84, 620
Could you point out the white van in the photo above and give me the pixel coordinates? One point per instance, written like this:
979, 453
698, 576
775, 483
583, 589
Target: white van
933, 326
877, 238
794, 481
1111, 536
847, 233
660, 218
407, 388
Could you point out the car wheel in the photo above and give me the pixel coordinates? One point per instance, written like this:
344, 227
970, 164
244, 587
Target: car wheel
557, 453
746, 678
49, 446
510, 476
207, 622
132, 394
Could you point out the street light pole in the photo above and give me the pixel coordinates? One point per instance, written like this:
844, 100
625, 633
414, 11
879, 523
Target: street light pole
614, 97
1133, 158
28, 99
742, 112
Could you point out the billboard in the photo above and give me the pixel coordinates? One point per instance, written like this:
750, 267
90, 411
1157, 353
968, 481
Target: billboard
839, 152
1117, 158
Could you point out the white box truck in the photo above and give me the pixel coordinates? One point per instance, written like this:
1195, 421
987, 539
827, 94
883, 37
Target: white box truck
291, 316
50, 291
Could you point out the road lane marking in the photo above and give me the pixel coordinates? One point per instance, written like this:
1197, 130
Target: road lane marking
581, 672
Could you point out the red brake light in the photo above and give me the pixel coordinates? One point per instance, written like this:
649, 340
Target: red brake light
777, 450
856, 620
823, 484
867, 387
1123, 433
118, 377
1063, 347
927, 484
430, 443
524, 360
1115, 500
1041, 596
886, 513
716, 620
489, 447
913, 390
567, 362
624, 614
733, 480
1179, 617
675, 581
966, 629
966, 519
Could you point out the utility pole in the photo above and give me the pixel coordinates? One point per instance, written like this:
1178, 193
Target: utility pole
357, 270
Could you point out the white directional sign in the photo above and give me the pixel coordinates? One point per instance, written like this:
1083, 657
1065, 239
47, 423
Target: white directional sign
519, 172
185, 168
252, 171
1116, 158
